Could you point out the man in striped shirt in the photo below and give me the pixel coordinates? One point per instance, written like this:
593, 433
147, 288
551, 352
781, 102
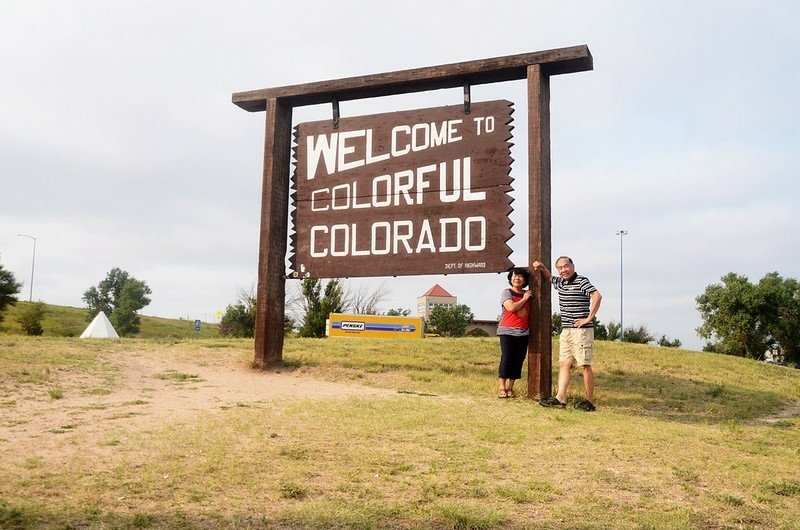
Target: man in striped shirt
578, 301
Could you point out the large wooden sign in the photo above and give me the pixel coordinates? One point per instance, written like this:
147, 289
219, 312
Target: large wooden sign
412, 192
361, 212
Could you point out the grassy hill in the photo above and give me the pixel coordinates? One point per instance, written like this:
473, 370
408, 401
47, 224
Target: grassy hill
680, 440
64, 321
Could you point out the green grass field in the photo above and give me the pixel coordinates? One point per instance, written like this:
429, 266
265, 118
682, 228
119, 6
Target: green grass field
680, 440
63, 321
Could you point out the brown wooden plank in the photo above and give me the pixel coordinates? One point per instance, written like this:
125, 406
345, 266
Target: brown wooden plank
540, 345
511, 67
272, 246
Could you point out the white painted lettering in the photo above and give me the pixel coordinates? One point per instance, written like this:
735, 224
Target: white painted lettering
452, 131
423, 184
314, 200
443, 223
326, 147
402, 237
444, 196
345, 238
438, 137
386, 227
485, 122
470, 195
406, 148
469, 229
386, 199
314, 252
354, 238
425, 238
403, 188
416, 143
478, 121
371, 157
345, 150
345, 203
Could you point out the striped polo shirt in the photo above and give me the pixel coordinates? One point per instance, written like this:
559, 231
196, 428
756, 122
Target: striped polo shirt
573, 299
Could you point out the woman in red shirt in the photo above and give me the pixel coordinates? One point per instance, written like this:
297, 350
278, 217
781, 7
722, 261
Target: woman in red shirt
513, 329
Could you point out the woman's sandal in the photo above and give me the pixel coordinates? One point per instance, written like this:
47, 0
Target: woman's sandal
502, 394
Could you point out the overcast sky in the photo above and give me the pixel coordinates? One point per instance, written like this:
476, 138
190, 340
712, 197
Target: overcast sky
120, 147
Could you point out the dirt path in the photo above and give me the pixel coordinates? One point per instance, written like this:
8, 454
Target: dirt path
150, 391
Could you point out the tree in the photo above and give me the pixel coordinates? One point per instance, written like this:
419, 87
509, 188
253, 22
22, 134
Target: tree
365, 299
125, 317
239, 319
665, 342
449, 321
9, 288
638, 335
600, 330
288, 324
31, 319
614, 331
398, 312
318, 308
729, 314
781, 313
744, 319
120, 296
104, 297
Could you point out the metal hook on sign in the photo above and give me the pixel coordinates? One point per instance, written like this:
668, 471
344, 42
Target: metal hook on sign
335, 103
466, 98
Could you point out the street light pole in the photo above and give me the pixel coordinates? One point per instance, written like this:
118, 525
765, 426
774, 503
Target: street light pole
621, 233
33, 262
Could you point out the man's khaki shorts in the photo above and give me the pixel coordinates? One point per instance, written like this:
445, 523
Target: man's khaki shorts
576, 345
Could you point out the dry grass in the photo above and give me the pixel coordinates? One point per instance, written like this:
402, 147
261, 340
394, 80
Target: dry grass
678, 441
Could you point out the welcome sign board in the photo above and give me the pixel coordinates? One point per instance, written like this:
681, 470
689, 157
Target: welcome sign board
403, 193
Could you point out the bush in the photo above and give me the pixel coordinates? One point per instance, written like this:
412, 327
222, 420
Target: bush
638, 335
239, 320
664, 341
31, 319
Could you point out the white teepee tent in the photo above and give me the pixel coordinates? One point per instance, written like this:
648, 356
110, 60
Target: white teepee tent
100, 328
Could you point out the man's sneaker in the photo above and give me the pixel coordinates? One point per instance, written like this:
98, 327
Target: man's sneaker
586, 406
552, 402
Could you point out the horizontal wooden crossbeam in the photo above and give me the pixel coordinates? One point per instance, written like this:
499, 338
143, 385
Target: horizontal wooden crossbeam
483, 71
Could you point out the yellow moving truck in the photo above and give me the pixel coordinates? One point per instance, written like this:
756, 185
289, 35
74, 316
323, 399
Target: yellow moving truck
381, 326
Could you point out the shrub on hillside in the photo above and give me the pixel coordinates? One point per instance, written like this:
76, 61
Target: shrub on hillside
30, 320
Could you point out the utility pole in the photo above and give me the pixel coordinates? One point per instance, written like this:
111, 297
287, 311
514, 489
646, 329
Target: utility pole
33, 263
621, 234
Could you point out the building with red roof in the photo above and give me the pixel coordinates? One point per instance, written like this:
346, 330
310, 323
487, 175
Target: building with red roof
435, 296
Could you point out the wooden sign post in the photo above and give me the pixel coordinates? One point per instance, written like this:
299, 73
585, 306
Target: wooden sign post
536, 67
